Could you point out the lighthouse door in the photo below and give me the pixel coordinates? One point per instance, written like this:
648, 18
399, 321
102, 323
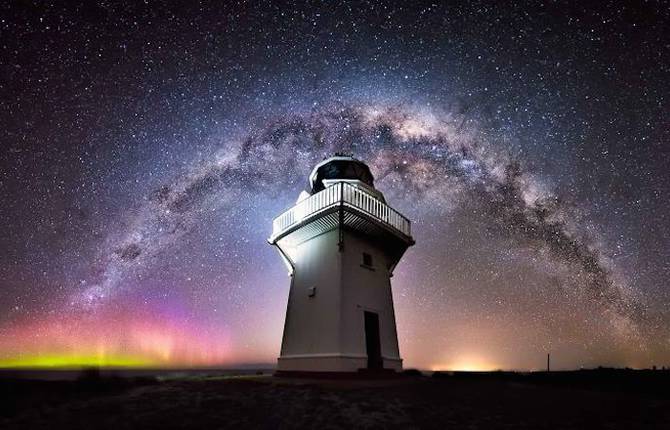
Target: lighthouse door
372, 343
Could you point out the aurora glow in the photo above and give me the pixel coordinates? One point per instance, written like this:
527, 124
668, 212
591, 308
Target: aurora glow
76, 361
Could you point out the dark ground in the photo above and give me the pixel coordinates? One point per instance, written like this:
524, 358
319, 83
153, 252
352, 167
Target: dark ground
612, 399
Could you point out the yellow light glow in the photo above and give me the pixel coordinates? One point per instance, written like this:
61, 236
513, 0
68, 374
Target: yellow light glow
467, 364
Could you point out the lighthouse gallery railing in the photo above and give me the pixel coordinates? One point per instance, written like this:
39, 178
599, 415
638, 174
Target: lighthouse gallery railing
341, 193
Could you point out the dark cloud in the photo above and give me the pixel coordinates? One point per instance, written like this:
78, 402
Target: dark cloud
129, 252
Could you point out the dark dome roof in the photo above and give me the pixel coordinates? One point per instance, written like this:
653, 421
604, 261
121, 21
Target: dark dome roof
340, 167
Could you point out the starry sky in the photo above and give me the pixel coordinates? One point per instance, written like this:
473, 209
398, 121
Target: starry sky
146, 148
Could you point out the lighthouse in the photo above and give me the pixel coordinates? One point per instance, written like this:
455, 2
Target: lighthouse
341, 242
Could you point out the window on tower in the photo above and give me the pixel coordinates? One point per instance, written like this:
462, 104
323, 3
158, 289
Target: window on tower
367, 259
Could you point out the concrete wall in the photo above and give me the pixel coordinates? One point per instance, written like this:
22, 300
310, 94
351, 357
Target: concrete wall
312, 323
326, 332
366, 289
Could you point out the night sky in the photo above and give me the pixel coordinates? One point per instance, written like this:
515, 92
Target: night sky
146, 148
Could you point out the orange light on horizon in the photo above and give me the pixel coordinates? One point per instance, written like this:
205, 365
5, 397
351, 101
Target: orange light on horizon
466, 364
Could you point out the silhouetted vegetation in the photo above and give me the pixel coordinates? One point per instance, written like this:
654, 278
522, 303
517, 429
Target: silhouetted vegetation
19, 394
598, 398
652, 382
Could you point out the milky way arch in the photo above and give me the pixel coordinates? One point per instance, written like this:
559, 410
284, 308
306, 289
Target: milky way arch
436, 159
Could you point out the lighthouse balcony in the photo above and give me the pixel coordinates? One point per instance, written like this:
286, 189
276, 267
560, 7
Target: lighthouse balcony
341, 204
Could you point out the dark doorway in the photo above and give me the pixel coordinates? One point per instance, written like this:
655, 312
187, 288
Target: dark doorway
372, 343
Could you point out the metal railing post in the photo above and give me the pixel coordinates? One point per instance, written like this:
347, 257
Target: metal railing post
340, 243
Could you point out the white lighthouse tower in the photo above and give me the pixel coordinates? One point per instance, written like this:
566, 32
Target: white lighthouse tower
341, 242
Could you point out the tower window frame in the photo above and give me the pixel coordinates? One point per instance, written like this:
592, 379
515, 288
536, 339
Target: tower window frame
367, 260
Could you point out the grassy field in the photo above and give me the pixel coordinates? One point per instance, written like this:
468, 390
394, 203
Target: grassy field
610, 399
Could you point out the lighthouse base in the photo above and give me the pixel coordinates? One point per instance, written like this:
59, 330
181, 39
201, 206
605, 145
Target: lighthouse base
332, 363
